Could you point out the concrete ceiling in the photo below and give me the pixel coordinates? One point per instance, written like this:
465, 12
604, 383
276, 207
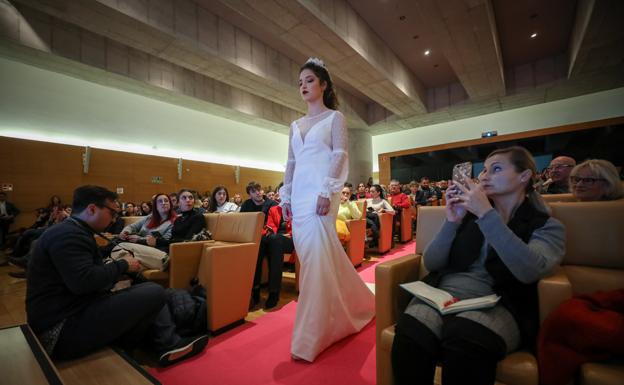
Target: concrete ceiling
240, 59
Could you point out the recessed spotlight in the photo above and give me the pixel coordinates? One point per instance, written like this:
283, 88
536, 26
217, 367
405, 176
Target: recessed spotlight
427, 52
533, 35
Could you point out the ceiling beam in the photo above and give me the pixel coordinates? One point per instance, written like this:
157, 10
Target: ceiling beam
466, 31
334, 32
597, 39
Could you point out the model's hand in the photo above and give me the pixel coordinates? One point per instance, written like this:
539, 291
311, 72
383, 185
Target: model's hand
286, 212
473, 198
133, 264
322, 206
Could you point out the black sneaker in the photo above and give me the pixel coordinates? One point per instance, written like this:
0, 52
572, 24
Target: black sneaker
186, 348
272, 301
19, 262
18, 274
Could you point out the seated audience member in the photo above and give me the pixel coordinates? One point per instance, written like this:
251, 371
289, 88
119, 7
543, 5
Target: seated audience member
237, 200
350, 186
497, 239
146, 208
595, 180
69, 303
256, 201
347, 210
399, 202
8, 212
173, 198
220, 201
427, 194
205, 205
443, 185
270, 195
362, 192
129, 210
413, 188
275, 242
158, 223
188, 223
375, 206
558, 176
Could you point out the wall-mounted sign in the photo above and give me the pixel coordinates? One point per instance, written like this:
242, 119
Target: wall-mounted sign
7, 187
119, 190
157, 179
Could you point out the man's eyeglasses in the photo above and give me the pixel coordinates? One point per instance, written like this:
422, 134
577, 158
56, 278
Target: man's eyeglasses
587, 181
114, 213
559, 166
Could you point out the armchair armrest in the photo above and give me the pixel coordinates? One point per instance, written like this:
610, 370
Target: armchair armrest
552, 291
355, 246
184, 260
390, 299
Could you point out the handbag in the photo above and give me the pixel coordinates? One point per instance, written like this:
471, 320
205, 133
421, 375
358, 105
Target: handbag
149, 257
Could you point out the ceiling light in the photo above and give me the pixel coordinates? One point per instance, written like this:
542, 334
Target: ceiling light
533, 35
427, 52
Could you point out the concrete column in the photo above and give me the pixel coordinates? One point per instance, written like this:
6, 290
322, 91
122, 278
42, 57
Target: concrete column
360, 156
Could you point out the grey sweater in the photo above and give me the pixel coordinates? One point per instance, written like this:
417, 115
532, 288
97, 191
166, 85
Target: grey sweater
528, 262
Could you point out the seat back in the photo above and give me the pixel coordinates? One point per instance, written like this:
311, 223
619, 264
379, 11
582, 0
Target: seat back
130, 220
428, 222
594, 258
551, 198
239, 227
212, 219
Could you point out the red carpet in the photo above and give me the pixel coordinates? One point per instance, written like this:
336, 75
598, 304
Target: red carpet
258, 352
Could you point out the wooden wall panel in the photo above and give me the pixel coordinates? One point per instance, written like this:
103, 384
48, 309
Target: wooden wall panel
39, 170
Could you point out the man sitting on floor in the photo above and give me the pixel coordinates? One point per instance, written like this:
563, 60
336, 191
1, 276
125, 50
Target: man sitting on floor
69, 302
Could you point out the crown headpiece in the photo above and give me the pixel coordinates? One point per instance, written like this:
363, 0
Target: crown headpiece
316, 61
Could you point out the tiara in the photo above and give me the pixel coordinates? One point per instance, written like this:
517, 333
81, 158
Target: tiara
316, 61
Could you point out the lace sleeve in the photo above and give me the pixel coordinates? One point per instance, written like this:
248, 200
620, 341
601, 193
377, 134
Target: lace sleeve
284, 192
334, 182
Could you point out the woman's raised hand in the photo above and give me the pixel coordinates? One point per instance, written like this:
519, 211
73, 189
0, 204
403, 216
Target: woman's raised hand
472, 198
454, 212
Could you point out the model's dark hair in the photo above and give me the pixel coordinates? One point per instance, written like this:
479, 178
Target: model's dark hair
89, 194
212, 207
330, 100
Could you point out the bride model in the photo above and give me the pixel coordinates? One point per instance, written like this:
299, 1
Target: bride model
333, 301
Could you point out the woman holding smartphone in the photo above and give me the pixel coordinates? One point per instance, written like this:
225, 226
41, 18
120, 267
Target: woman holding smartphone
498, 238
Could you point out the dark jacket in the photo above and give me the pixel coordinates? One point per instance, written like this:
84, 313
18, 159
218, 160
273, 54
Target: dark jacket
66, 273
250, 206
186, 225
11, 210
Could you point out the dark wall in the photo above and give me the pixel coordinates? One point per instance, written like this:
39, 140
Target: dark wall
600, 142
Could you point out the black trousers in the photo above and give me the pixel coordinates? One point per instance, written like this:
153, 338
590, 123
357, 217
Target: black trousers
372, 222
128, 318
4, 230
468, 352
25, 241
273, 246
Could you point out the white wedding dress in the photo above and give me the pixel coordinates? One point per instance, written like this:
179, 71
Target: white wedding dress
333, 301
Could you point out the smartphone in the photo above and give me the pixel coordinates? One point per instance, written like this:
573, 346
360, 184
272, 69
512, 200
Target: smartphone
459, 171
156, 234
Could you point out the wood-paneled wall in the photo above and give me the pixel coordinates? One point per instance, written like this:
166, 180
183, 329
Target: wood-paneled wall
38, 170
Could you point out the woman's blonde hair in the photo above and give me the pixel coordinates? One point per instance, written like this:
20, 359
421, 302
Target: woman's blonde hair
603, 169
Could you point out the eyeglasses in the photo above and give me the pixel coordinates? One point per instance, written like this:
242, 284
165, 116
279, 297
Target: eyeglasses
559, 166
114, 213
587, 181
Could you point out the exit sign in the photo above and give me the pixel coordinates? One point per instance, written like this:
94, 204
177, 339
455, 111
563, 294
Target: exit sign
157, 179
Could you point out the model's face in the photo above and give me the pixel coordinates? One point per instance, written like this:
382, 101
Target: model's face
499, 176
187, 201
310, 87
220, 196
586, 186
345, 194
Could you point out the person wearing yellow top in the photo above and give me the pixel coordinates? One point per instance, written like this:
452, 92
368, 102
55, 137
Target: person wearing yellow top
347, 210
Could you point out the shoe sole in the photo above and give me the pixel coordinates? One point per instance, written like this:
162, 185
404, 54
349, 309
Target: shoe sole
176, 355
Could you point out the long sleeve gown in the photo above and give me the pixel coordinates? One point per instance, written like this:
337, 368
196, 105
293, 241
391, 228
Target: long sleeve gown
333, 301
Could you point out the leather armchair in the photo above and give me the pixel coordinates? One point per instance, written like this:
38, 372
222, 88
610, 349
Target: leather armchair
593, 261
